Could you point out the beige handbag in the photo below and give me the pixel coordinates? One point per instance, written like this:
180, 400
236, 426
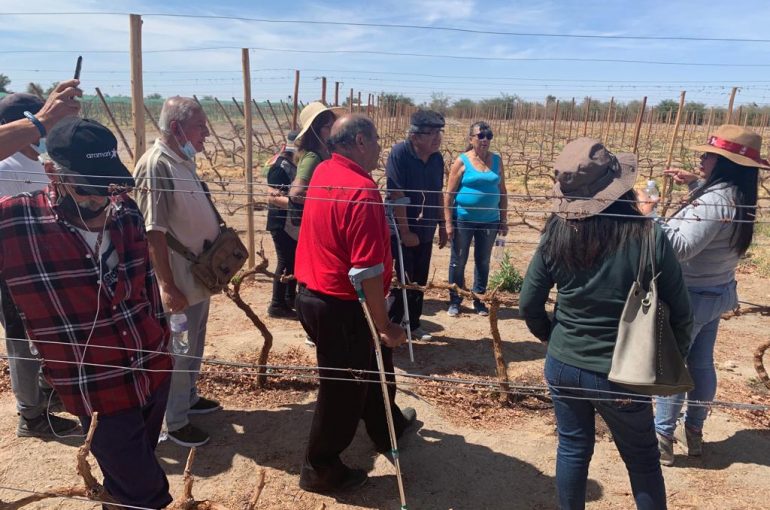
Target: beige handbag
646, 359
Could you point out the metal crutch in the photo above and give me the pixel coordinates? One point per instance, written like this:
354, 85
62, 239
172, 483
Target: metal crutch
401, 274
356, 277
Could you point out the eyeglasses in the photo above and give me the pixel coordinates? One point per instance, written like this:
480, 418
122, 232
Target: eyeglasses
481, 135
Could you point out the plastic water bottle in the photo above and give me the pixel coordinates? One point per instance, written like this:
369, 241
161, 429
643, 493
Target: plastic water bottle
178, 324
33, 350
653, 193
499, 249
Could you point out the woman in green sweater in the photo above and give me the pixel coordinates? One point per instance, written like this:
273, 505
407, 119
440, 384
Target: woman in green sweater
590, 250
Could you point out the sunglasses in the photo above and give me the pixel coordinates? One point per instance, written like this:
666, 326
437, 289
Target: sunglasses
481, 135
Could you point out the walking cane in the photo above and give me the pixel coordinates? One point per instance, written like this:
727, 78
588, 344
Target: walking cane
356, 277
401, 274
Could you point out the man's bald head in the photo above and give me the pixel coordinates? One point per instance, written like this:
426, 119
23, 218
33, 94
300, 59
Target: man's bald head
354, 136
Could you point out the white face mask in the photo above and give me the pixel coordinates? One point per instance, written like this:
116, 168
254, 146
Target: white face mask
187, 147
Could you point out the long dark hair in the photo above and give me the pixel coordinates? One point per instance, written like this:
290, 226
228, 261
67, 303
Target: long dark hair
310, 141
574, 245
746, 181
482, 125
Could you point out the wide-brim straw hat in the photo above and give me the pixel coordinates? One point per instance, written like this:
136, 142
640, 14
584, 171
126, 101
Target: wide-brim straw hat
589, 178
310, 112
736, 143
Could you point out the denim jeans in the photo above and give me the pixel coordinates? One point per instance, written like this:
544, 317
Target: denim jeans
708, 304
483, 237
631, 425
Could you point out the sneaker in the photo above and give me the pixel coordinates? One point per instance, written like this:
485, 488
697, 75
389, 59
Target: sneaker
666, 449
204, 406
480, 308
45, 425
351, 480
690, 440
420, 334
189, 436
309, 341
454, 310
281, 312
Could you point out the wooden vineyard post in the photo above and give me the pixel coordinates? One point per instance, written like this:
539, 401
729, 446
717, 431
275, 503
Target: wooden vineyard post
638, 128
267, 126
323, 89
668, 181
604, 131
359, 101
585, 120
350, 101
230, 121
336, 93
571, 113
296, 100
730, 106
137, 86
275, 118
115, 124
553, 128
248, 157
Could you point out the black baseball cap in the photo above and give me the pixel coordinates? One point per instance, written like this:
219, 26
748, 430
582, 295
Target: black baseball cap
427, 119
13, 106
89, 153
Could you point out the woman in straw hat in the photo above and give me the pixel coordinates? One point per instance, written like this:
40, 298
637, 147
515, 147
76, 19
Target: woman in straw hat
709, 235
590, 250
316, 121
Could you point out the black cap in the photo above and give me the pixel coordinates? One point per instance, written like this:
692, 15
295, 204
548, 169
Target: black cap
13, 106
90, 150
427, 119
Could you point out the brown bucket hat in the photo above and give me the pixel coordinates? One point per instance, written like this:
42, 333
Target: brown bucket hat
589, 178
736, 143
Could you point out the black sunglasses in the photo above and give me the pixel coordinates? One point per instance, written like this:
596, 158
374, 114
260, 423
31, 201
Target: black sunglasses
484, 134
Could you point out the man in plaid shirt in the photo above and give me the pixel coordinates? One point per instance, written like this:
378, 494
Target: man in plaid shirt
76, 262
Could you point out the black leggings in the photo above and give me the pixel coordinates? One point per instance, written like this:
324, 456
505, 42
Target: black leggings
285, 248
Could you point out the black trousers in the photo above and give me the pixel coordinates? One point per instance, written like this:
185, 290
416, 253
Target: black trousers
124, 446
416, 267
285, 248
343, 340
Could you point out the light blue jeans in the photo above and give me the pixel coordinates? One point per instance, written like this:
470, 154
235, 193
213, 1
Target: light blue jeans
483, 237
708, 304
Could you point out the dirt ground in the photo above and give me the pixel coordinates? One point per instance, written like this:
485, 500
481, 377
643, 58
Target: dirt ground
467, 452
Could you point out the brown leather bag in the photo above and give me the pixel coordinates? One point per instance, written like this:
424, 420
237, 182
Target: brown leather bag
220, 259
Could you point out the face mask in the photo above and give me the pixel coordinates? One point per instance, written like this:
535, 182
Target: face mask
71, 209
187, 147
40, 147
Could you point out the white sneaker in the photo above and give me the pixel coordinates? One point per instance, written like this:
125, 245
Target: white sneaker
421, 334
309, 341
453, 311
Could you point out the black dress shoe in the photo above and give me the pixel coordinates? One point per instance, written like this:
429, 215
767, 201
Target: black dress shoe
281, 312
346, 480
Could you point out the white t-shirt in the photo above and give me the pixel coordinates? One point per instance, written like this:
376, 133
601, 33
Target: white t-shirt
18, 168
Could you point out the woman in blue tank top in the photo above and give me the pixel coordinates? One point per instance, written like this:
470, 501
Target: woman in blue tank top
475, 209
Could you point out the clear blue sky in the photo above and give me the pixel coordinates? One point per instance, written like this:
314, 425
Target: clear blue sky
217, 72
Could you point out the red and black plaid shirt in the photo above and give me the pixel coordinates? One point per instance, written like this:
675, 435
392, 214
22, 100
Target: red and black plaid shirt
54, 279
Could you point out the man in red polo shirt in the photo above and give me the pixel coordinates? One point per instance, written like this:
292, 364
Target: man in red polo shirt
344, 227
